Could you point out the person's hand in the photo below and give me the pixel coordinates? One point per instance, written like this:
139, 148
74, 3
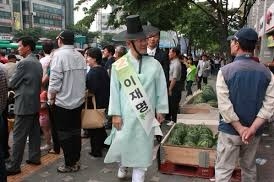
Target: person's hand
117, 122
242, 130
248, 135
51, 102
160, 117
169, 92
239, 127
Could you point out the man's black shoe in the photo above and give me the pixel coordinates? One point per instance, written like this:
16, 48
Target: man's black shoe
96, 154
11, 173
33, 163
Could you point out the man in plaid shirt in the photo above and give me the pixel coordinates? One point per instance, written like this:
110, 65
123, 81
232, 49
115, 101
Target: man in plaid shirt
3, 102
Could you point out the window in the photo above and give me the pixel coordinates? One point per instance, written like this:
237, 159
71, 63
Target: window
5, 15
5, 29
46, 9
16, 6
25, 5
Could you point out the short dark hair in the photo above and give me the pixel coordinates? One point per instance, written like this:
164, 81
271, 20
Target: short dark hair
41, 53
176, 50
2, 53
67, 41
247, 45
48, 46
121, 50
110, 49
95, 53
27, 41
11, 56
190, 61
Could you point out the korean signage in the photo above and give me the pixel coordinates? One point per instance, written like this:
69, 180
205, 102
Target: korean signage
17, 20
270, 41
6, 37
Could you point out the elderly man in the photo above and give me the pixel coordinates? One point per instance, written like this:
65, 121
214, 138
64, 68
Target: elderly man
26, 83
245, 90
138, 89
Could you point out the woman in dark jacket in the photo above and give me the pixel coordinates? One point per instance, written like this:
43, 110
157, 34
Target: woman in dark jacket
98, 83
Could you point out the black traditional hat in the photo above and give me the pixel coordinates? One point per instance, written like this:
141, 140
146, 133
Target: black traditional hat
135, 30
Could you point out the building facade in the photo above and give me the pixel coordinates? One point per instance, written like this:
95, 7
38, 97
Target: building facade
101, 20
261, 18
22, 14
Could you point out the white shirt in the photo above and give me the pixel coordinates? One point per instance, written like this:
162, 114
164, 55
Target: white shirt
201, 64
45, 62
151, 52
175, 70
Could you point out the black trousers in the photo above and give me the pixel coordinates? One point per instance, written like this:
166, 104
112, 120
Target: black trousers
68, 126
97, 138
173, 102
5, 143
200, 81
3, 175
188, 87
55, 140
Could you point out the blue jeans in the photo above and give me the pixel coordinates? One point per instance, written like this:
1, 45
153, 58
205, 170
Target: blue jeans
3, 175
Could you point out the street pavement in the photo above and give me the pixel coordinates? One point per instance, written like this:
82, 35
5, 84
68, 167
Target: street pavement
94, 169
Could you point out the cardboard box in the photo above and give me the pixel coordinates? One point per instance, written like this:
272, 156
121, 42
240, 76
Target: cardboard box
177, 154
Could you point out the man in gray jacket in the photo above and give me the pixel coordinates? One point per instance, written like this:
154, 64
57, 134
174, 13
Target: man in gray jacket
66, 90
26, 82
203, 71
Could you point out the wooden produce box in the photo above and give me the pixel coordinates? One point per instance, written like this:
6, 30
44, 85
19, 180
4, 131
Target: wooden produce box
177, 154
188, 108
210, 118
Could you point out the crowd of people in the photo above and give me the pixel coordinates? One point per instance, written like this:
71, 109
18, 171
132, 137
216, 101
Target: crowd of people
140, 86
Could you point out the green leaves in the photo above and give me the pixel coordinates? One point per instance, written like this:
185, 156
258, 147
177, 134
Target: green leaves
206, 24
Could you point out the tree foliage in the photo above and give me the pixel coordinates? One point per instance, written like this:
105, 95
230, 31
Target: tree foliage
32, 32
201, 31
213, 15
39, 32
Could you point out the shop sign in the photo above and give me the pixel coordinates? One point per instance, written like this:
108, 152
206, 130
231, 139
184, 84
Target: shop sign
6, 37
269, 19
270, 41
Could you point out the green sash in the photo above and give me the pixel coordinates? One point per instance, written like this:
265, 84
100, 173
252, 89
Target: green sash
136, 95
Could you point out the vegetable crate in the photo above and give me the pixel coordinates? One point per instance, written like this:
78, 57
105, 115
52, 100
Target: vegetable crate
203, 157
202, 101
189, 161
195, 108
